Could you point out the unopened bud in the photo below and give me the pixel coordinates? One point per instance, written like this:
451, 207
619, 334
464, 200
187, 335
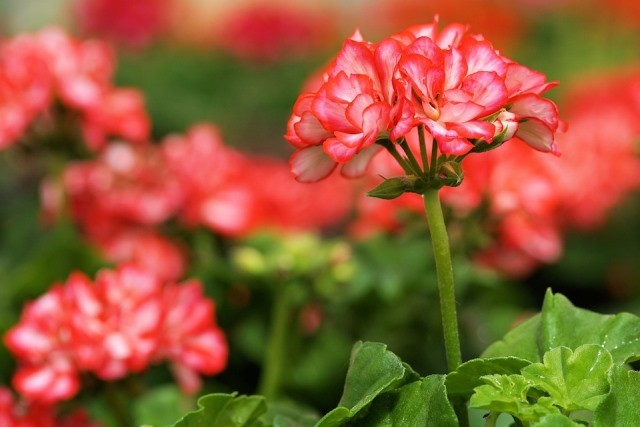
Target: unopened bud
450, 173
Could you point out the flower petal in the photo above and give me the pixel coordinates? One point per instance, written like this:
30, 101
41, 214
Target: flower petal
311, 164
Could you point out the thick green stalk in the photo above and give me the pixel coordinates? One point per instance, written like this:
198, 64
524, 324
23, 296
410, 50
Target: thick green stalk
444, 271
275, 357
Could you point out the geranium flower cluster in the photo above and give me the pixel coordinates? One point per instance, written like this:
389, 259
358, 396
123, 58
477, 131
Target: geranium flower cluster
47, 71
22, 414
122, 199
452, 84
118, 324
529, 203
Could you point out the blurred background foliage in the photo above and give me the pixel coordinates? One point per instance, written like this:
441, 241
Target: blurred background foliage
344, 290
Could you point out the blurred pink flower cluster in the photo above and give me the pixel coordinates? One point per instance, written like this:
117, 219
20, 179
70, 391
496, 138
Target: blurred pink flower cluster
453, 83
528, 202
130, 23
269, 32
21, 414
118, 324
123, 198
47, 71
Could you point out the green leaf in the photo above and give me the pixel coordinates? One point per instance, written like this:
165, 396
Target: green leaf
562, 324
519, 342
420, 403
620, 407
226, 410
509, 394
372, 370
565, 325
290, 414
574, 379
556, 420
466, 377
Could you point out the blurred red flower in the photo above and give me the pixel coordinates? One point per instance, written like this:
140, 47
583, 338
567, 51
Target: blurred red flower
129, 23
48, 69
30, 414
116, 325
268, 32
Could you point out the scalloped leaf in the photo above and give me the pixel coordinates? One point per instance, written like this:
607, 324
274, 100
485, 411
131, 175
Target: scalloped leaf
226, 410
466, 377
562, 324
574, 379
372, 370
509, 394
620, 407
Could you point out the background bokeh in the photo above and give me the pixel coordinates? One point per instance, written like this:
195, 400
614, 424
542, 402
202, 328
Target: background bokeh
241, 65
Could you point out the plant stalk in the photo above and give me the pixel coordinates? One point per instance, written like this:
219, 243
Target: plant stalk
446, 289
275, 357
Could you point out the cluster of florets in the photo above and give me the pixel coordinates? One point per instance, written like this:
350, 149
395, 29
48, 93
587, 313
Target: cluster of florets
49, 73
528, 203
118, 324
452, 84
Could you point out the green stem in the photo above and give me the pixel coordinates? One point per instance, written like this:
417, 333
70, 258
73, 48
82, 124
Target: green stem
434, 157
412, 160
423, 147
391, 148
275, 357
444, 271
491, 419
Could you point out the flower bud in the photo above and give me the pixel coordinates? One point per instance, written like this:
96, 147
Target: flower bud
450, 173
394, 187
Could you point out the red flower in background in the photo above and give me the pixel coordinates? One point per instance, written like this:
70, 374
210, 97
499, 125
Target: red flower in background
119, 324
130, 23
37, 70
267, 32
22, 414
235, 194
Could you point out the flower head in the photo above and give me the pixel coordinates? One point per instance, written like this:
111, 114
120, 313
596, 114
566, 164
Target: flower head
452, 84
118, 324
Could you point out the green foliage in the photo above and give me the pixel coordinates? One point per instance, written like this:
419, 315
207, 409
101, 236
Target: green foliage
578, 369
560, 323
226, 410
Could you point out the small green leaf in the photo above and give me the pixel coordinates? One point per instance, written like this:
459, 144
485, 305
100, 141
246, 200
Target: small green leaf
510, 394
520, 342
466, 377
420, 403
226, 410
556, 420
373, 370
620, 407
574, 379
